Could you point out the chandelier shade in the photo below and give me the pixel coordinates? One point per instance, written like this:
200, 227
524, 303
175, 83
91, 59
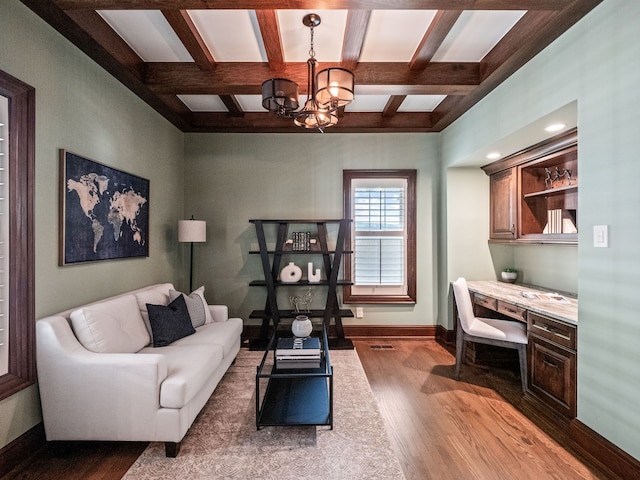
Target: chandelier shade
280, 95
326, 92
335, 87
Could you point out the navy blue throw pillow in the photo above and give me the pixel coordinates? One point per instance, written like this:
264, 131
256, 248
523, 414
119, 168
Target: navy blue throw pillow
169, 323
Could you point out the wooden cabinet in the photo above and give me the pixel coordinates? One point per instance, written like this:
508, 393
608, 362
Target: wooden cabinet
534, 193
503, 204
552, 362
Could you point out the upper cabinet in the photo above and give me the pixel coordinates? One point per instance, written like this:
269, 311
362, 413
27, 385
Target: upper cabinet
534, 193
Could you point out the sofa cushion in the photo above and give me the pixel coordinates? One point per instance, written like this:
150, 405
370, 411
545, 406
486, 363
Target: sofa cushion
225, 334
112, 326
170, 323
189, 367
197, 306
157, 295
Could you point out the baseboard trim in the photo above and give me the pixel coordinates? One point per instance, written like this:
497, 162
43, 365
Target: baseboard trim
22, 448
610, 458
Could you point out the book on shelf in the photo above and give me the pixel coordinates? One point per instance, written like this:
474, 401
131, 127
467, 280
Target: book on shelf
298, 346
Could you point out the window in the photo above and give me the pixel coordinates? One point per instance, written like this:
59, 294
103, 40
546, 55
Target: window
382, 205
4, 238
16, 232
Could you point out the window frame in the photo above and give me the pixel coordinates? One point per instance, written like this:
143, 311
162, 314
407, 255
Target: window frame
410, 176
21, 283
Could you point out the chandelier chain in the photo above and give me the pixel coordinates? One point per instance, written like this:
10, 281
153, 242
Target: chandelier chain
312, 52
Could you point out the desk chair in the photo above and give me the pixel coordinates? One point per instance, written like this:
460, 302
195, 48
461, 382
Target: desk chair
490, 331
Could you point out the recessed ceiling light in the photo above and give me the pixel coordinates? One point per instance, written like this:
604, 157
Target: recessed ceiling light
493, 155
555, 127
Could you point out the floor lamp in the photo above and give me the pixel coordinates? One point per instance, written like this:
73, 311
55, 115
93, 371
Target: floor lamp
192, 231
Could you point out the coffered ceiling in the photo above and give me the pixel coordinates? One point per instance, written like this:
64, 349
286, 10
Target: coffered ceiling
418, 64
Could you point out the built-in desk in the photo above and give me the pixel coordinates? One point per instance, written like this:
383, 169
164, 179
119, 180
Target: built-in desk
512, 294
552, 328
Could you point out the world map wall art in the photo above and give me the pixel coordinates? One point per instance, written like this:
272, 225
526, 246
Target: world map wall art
104, 212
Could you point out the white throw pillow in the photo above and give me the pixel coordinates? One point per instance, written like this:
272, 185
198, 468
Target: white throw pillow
112, 326
197, 306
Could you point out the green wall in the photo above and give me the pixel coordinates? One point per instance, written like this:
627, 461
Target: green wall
80, 108
595, 63
228, 179
232, 178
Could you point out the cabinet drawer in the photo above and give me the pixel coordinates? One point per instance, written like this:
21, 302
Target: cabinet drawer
511, 310
552, 375
553, 330
487, 302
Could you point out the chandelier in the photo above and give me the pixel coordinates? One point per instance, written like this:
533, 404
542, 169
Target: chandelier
326, 92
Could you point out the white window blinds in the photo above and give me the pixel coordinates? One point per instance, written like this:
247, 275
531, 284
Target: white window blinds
4, 238
380, 240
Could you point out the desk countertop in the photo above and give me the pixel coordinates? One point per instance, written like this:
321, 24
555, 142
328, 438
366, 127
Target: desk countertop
513, 293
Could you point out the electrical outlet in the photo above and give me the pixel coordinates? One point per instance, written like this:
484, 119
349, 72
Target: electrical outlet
359, 312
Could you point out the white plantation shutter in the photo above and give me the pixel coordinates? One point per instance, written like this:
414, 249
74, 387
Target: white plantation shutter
4, 238
379, 235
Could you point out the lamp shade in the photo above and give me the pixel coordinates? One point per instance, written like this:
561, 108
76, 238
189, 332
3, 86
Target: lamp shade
192, 231
280, 95
335, 87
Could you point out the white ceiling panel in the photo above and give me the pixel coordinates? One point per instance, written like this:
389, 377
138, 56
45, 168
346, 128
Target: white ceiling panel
394, 35
475, 34
230, 35
203, 103
250, 103
421, 103
148, 33
327, 37
367, 103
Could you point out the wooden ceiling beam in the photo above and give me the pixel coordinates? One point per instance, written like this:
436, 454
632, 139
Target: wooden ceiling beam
349, 123
392, 105
188, 34
438, 30
102, 33
536, 30
270, 31
232, 104
356, 29
304, 4
239, 78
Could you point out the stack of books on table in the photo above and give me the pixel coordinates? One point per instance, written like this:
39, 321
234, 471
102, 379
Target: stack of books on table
298, 353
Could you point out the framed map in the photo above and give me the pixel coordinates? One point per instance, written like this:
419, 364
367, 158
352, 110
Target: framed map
104, 212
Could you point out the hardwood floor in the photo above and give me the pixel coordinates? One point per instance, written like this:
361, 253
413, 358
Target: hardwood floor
441, 429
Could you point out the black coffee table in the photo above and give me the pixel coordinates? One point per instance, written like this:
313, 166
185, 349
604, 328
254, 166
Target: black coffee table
294, 396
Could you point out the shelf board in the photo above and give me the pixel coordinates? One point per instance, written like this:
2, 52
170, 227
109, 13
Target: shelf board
305, 221
552, 191
263, 283
346, 313
296, 401
298, 252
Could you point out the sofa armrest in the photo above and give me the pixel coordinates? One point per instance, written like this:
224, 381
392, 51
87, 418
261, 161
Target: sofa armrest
220, 313
87, 395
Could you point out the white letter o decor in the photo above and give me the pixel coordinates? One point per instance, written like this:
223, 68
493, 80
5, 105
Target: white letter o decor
291, 273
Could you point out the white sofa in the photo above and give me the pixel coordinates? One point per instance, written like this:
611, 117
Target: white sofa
121, 388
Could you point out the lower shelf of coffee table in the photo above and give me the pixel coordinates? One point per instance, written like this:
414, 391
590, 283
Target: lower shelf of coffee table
297, 400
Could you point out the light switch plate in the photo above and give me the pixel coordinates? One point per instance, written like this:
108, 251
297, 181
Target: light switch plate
601, 236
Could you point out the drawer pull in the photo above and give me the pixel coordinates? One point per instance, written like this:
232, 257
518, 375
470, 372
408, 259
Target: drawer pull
552, 331
549, 364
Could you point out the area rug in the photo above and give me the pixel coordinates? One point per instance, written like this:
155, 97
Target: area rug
223, 442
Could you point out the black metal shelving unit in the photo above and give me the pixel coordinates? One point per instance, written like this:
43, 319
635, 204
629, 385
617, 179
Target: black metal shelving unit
272, 260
